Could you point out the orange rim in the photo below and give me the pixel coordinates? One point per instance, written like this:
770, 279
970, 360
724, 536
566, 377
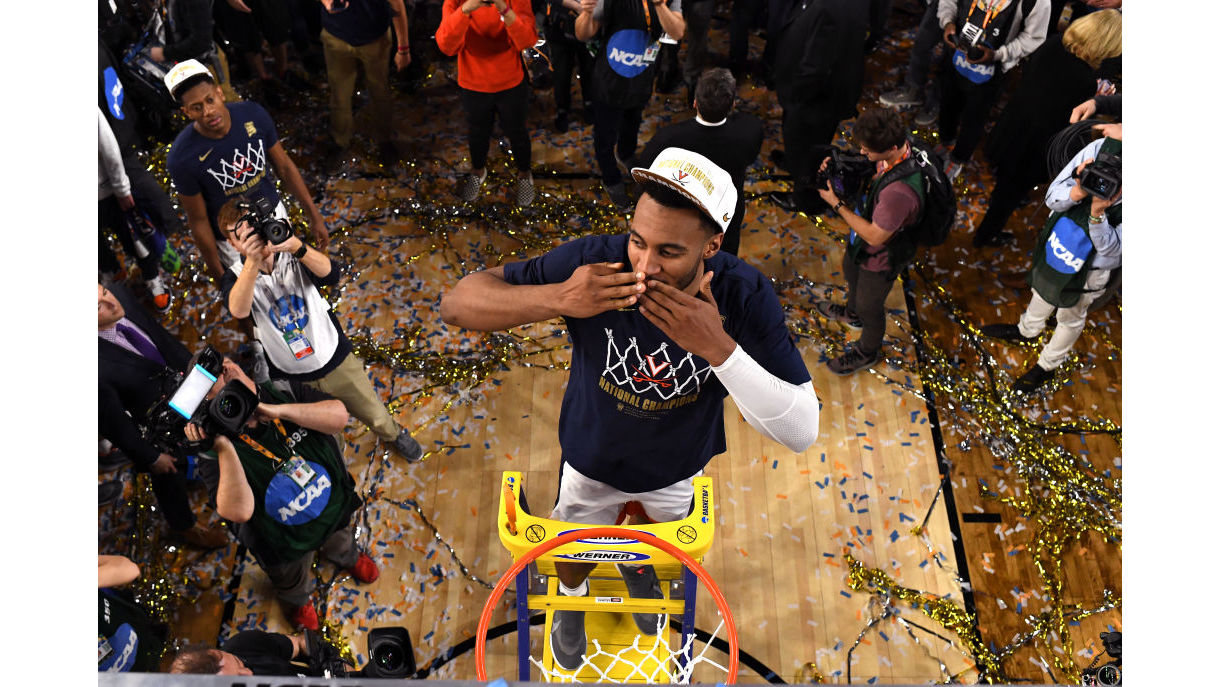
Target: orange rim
485, 618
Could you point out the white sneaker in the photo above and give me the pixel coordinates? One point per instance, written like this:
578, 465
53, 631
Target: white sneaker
160, 293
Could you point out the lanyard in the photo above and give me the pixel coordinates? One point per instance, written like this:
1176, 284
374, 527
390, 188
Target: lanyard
648, 19
262, 449
989, 8
884, 166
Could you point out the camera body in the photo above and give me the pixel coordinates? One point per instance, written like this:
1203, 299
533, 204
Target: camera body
1107, 673
847, 174
1103, 177
260, 215
968, 41
183, 400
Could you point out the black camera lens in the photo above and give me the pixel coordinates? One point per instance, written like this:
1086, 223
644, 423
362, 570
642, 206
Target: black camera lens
388, 657
1108, 675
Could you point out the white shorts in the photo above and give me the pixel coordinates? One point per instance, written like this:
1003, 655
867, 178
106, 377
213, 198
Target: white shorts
590, 502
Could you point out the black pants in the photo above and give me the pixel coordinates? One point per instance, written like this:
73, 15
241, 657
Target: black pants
804, 127
1007, 195
481, 111
111, 217
615, 127
171, 492
965, 108
566, 54
867, 292
745, 16
151, 197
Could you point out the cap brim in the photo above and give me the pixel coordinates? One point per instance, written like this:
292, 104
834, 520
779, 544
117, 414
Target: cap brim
641, 174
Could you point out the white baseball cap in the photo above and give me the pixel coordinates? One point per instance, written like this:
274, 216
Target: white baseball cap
696, 177
182, 71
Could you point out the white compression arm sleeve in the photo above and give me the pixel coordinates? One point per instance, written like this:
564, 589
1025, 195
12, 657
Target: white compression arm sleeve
783, 412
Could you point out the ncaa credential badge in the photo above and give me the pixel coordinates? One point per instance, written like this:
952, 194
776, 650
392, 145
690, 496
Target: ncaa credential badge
290, 504
625, 52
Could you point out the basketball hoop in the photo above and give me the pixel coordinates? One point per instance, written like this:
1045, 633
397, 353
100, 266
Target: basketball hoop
645, 538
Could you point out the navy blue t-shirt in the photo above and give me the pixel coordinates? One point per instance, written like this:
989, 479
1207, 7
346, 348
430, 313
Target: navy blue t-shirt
224, 168
359, 23
639, 412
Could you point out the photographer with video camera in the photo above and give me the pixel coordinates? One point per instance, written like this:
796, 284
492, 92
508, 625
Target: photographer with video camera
134, 351
283, 480
1079, 248
878, 247
277, 283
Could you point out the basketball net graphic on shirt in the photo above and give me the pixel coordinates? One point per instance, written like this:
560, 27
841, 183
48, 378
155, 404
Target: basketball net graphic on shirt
629, 369
242, 168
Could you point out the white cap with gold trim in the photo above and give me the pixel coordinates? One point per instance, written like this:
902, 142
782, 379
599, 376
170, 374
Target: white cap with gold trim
183, 71
696, 177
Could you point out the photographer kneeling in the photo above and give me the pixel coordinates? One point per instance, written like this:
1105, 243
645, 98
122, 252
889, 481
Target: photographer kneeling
284, 482
293, 322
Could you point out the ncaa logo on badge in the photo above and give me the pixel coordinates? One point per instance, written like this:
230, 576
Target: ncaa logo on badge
290, 504
975, 73
625, 52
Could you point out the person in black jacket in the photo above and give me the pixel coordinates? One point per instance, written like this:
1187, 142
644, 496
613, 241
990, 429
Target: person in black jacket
133, 349
731, 140
819, 71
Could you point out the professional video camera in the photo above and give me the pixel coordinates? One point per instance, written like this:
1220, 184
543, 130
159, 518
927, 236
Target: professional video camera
259, 214
1107, 673
846, 172
1101, 178
968, 40
389, 650
182, 401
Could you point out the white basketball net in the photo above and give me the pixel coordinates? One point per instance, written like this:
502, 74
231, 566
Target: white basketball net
611, 670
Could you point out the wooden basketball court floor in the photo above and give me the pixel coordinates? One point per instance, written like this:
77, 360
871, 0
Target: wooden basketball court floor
870, 487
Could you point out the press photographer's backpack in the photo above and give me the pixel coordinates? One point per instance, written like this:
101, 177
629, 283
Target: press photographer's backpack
939, 206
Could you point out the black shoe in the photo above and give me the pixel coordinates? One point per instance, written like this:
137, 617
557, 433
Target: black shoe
993, 240
618, 195
333, 158
113, 460
110, 491
294, 81
642, 583
1034, 378
387, 154
852, 360
839, 313
568, 639
777, 158
1006, 332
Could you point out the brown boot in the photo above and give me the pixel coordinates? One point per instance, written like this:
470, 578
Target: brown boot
201, 537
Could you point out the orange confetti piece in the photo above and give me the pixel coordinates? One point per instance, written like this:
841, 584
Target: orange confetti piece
803, 472
781, 496
473, 511
743, 551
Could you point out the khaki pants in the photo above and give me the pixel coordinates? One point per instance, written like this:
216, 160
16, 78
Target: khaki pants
350, 384
294, 581
341, 63
1069, 321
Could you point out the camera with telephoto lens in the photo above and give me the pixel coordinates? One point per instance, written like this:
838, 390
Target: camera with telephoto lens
183, 400
260, 215
968, 41
1101, 178
1108, 673
846, 173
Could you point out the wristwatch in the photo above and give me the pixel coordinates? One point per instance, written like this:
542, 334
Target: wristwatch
300, 252
838, 205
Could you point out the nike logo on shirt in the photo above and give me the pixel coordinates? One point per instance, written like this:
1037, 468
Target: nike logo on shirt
205, 155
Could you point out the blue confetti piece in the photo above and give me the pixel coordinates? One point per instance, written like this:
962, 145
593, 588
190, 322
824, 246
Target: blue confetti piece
845, 594
775, 463
894, 536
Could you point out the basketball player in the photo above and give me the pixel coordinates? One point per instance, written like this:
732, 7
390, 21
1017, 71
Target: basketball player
663, 326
